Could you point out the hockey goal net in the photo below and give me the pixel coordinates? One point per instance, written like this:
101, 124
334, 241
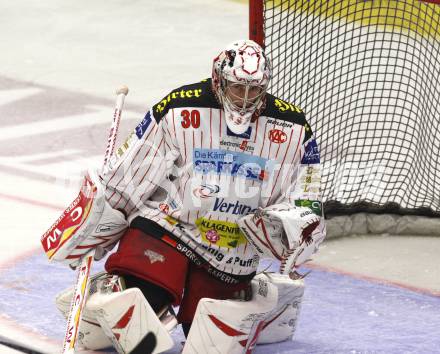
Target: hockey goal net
367, 74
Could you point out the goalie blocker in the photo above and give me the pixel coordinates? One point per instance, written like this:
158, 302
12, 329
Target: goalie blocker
88, 223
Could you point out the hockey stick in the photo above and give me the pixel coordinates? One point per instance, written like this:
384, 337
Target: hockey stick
81, 286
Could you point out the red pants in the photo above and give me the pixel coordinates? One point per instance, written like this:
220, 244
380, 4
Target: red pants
155, 261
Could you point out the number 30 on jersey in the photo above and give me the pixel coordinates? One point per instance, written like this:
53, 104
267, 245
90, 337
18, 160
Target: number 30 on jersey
190, 119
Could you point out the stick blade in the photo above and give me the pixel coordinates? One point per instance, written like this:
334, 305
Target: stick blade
147, 345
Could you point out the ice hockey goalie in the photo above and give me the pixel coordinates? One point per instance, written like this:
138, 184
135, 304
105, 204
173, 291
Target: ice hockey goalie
216, 176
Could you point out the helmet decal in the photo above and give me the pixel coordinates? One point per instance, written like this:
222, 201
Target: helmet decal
240, 76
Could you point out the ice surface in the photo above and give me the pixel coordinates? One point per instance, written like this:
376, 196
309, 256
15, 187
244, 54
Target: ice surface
340, 314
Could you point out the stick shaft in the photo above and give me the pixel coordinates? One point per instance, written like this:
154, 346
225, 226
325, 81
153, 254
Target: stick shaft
78, 301
115, 125
82, 282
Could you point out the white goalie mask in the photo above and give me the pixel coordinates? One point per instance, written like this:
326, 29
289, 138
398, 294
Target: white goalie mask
240, 76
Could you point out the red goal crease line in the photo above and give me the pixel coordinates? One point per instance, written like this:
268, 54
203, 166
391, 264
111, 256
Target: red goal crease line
372, 279
16, 198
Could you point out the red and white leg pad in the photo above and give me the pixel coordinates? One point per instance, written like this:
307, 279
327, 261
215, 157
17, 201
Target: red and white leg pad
280, 324
126, 318
113, 316
234, 326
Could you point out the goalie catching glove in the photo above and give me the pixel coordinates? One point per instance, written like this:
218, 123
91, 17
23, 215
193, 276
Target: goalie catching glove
283, 232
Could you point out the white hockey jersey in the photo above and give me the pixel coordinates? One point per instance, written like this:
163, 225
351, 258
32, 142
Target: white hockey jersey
183, 169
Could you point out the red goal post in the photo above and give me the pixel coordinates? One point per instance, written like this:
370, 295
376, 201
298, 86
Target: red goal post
256, 21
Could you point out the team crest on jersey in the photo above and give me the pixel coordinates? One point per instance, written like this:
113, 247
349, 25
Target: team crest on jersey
277, 136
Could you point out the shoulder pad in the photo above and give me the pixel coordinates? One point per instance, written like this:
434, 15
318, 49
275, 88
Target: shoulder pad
282, 110
199, 94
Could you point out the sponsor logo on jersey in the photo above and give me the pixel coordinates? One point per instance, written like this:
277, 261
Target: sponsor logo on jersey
225, 234
310, 178
309, 183
244, 145
212, 236
206, 191
236, 208
159, 107
311, 153
230, 163
127, 143
307, 127
143, 126
175, 223
245, 135
277, 136
171, 220
217, 253
284, 106
164, 207
280, 123
250, 262
173, 204
167, 204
